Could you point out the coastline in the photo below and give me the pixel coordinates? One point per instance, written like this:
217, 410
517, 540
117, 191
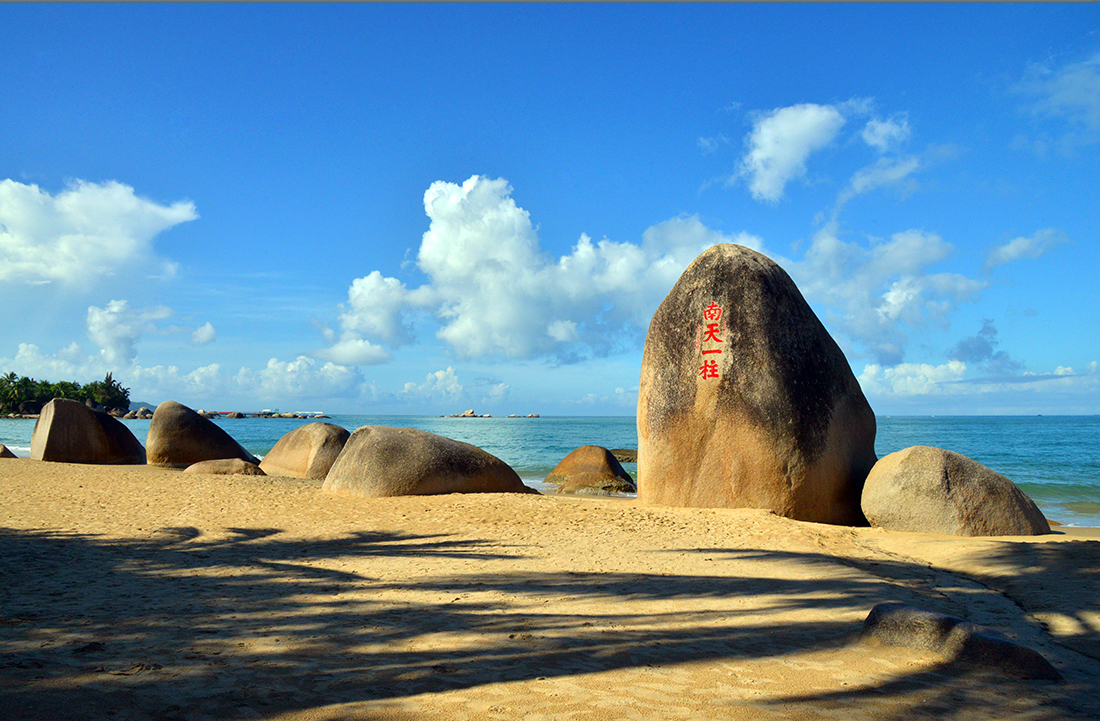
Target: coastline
144, 591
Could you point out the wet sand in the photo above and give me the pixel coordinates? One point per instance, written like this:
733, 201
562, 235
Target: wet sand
141, 593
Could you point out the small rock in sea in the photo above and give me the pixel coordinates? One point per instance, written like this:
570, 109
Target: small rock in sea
591, 470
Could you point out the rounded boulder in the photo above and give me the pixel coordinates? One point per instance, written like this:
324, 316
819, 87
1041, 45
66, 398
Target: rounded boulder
70, 432
933, 490
179, 437
306, 452
591, 470
746, 401
380, 461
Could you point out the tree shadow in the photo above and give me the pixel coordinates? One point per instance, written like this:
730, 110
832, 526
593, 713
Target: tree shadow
255, 623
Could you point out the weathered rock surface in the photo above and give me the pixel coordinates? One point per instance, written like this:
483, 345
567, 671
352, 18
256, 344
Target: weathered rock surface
70, 432
625, 455
937, 491
5, 452
382, 461
591, 470
226, 467
746, 400
306, 452
180, 437
896, 624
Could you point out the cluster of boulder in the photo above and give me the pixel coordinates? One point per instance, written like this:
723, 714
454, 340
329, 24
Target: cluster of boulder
745, 400
470, 414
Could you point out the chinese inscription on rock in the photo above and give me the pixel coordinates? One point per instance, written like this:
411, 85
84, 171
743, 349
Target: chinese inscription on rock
709, 340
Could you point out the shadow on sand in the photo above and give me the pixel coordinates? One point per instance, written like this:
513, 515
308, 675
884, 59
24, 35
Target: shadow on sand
253, 625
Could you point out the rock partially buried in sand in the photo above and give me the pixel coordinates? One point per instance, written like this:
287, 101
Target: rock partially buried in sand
5, 453
936, 491
591, 470
746, 400
306, 452
226, 467
180, 437
381, 461
896, 624
70, 432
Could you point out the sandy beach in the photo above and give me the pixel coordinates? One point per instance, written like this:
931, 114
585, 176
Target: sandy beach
142, 593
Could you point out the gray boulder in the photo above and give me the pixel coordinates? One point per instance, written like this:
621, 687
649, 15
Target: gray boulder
306, 452
382, 461
226, 467
936, 491
70, 432
745, 399
180, 437
591, 470
896, 624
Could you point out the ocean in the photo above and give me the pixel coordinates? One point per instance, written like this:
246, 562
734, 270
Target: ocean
1054, 459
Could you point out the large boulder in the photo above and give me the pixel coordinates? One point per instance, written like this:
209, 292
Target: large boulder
179, 437
70, 432
936, 491
306, 452
591, 470
5, 453
381, 461
746, 400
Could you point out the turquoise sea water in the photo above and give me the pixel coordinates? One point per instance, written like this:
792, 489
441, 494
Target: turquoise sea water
1054, 459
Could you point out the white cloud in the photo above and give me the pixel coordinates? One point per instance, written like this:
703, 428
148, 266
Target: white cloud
1024, 247
301, 378
495, 292
86, 232
886, 135
871, 294
117, 328
354, 352
441, 384
781, 141
909, 379
883, 172
204, 334
1069, 93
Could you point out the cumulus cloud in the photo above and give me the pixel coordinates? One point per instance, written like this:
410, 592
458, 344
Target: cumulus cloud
117, 328
781, 141
86, 232
909, 379
493, 291
1024, 247
441, 384
982, 349
302, 378
885, 135
872, 293
1069, 94
204, 334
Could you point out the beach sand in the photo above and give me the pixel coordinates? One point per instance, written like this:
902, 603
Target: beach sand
142, 593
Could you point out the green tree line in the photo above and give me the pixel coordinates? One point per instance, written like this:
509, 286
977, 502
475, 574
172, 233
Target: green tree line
14, 389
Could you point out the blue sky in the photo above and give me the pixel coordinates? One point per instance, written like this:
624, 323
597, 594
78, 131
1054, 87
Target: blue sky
428, 208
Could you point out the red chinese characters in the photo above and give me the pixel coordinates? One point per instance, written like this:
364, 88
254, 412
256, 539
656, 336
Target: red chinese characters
709, 340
